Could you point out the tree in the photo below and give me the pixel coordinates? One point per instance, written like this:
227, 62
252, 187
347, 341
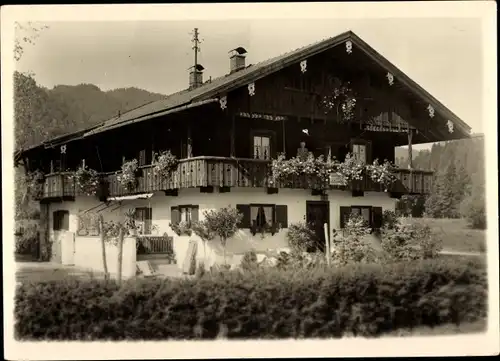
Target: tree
224, 223
202, 229
102, 234
25, 33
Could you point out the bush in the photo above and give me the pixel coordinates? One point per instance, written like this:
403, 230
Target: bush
407, 242
366, 300
249, 260
473, 209
351, 247
27, 241
301, 237
389, 219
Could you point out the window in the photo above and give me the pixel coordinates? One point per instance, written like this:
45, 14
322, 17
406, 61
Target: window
359, 152
143, 220
185, 213
263, 217
262, 147
372, 215
60, 221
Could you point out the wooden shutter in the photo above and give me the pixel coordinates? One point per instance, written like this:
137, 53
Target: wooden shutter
244, 209
195, 210
344, 215
377, 217
175, 215
282, 215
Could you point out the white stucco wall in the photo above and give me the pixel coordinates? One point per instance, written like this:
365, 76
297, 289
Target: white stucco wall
294, 199
88, 255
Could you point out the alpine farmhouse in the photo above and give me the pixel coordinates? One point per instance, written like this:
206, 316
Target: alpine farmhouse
337, 98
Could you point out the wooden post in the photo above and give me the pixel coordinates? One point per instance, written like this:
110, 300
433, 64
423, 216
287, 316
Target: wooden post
121, 235
103, 247
189, 141
327, 242
410, 155
284, 136
232, 135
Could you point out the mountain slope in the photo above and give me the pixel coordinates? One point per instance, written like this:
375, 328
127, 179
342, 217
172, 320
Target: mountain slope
42, 113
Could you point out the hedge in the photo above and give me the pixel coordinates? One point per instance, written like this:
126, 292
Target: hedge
366, 300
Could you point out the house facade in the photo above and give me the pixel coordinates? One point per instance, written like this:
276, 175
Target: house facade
334, 98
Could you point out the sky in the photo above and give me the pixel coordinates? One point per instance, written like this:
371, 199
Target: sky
443, 55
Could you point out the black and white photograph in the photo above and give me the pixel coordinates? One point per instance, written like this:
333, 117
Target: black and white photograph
250, 174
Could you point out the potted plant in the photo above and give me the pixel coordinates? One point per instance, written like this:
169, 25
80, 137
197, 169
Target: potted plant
164, 164
381, 174
86, 180
127, 178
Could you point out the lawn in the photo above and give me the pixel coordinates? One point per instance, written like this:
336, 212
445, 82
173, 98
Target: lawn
455, 234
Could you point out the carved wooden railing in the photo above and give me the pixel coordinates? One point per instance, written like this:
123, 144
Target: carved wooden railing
155, 245
227, 172
58, 185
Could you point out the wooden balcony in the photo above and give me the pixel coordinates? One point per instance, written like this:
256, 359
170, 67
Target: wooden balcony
58, 186
227, 172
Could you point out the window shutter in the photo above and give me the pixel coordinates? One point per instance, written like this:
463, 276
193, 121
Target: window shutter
195, 210
377, 217
175, 215
245, 210
282, 215
344, 214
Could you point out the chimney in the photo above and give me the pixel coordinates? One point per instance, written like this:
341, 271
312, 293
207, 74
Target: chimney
196, 76
237, 59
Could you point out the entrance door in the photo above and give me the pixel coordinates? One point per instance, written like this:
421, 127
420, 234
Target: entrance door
317, 214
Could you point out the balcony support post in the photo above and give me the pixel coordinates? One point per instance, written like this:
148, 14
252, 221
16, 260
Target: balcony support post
410, 151
232, 135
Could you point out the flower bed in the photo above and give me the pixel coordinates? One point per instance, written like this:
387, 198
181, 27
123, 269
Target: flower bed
367, 300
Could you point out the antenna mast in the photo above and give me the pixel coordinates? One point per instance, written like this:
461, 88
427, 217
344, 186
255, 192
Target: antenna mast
196, 47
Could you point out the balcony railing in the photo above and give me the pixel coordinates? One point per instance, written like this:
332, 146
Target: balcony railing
226, 172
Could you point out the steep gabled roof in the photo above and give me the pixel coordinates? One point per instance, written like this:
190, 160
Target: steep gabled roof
219, 86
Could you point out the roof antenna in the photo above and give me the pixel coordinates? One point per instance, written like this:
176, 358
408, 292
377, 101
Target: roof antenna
196, 47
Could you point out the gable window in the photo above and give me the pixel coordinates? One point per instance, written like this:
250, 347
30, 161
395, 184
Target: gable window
372, 215
262, 147
60, 220
143, 220
263, 218
184, 213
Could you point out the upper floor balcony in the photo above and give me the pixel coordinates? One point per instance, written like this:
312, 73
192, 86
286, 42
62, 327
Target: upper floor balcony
211, 172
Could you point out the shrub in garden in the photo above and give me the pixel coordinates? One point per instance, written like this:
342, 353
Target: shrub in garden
473, 208
365, 300
27, 241
224, 223
249, 260
350, 247
389, 219
301, 237
410, 242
